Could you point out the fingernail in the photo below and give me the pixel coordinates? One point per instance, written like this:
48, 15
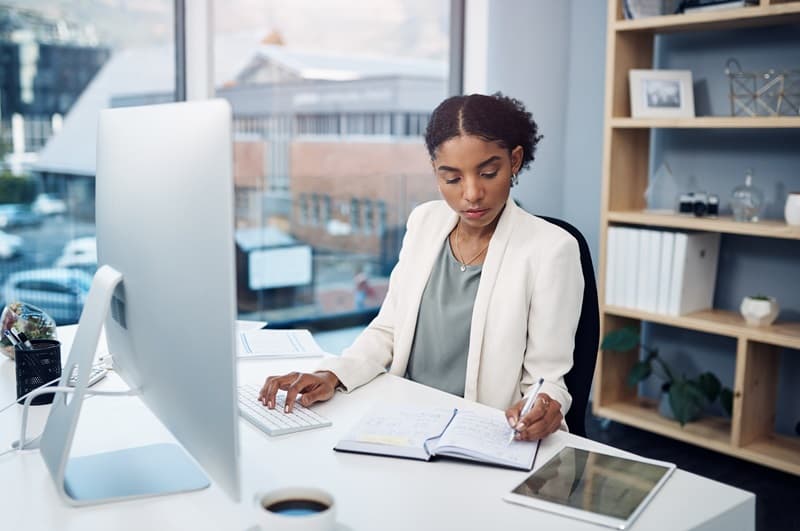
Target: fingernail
519, 427
511, 421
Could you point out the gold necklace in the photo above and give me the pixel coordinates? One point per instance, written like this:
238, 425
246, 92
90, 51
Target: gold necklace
461, 256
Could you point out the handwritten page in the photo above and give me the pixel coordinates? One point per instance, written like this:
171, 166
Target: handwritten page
277, 344
484, 435
396, 431
400, 426
403, 432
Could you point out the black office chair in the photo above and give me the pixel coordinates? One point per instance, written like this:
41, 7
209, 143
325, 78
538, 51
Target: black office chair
587, 337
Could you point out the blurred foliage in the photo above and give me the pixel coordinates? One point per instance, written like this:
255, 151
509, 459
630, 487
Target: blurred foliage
687, 396
15, 189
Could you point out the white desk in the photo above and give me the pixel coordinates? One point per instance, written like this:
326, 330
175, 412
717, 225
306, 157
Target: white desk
371, 492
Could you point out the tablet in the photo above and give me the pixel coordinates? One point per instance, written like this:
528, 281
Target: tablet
588, 485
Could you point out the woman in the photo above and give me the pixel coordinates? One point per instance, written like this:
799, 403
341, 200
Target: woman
485, 298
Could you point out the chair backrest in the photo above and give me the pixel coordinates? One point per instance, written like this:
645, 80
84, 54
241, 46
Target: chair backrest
587, 337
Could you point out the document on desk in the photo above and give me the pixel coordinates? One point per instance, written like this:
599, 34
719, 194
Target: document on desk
269, 343
475, 435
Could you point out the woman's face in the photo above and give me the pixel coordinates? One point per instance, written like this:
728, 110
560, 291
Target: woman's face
474, 177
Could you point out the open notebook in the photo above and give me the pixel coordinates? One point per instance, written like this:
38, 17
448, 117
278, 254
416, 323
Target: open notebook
477, 435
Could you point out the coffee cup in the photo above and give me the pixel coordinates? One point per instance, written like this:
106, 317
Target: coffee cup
296, 509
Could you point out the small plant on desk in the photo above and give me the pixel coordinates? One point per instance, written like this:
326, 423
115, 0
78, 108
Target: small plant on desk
23, 317
687, 396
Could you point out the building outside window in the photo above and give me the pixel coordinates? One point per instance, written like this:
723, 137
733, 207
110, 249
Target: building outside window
348, 138
316, 121
53, 54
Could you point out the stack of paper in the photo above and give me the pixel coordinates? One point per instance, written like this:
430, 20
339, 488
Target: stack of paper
665, 272
268, 343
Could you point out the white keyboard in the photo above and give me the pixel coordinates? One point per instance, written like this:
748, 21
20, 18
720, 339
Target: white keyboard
275, 421
98, 373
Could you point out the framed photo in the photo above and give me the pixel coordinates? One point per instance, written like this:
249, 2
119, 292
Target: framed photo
661, 93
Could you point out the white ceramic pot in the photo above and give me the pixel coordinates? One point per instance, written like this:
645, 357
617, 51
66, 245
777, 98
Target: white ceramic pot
792, 209
759, 312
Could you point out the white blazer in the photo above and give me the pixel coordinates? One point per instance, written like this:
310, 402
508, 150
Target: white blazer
523, 321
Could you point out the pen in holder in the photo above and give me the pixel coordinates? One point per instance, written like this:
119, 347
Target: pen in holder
36, 366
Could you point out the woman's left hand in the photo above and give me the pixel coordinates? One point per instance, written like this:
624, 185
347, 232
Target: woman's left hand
543, 419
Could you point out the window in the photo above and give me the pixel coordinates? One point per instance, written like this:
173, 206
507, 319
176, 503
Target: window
50, 53
325, 216
340, 116
381, 210
355, 215
304, 217
315, 209
369, 221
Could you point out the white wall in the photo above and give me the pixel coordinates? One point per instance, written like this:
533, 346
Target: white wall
583, 137
551, 55
520, 47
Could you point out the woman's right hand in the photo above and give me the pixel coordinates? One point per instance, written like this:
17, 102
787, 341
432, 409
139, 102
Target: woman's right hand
315, 387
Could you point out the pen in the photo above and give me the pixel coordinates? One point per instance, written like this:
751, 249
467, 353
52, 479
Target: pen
11, 338
24, 340
528, 405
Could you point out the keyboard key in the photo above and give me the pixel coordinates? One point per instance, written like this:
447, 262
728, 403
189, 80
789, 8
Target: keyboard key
275, 421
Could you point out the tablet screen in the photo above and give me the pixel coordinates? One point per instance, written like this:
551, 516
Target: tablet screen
598, 483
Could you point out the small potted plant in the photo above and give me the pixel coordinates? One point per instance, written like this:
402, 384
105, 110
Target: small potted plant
23, 317
682, 398
759, 310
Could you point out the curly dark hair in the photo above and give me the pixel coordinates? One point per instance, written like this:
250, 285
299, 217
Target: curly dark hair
496, 118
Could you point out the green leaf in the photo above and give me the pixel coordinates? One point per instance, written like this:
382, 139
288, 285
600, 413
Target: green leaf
685, 399
621, 340
641, 371
709, 385
726, 400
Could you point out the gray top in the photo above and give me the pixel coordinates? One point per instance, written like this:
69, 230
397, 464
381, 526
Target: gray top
441, 341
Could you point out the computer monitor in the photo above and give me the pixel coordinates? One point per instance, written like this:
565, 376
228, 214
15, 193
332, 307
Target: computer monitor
166, 282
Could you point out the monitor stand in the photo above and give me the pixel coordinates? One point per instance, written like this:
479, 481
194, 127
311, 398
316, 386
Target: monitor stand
139, 472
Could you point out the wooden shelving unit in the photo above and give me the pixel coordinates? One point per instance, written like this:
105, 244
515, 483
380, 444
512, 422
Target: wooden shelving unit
722, 224
749, 433
709, 122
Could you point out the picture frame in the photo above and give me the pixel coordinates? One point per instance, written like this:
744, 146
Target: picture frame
661, 93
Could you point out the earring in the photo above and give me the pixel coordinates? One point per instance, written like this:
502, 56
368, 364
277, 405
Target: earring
514, 179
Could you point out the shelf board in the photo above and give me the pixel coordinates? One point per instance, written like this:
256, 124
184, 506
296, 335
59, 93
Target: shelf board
723, 224
719, 322
709, 122
709, 432
764, 15
776, 451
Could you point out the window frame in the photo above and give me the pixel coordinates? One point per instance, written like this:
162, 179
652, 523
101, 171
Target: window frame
194, 46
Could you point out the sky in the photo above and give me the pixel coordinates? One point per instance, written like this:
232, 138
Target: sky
413, 28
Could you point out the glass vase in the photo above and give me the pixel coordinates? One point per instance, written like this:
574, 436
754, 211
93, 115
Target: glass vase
747, 200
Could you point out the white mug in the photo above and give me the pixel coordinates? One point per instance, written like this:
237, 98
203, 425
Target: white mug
296, 509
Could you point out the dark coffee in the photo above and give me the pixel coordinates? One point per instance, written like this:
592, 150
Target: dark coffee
297, 507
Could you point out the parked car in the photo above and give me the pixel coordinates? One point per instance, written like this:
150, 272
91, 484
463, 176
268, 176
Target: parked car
58, 291
47, 205
10, 245
16, 215
79, 253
